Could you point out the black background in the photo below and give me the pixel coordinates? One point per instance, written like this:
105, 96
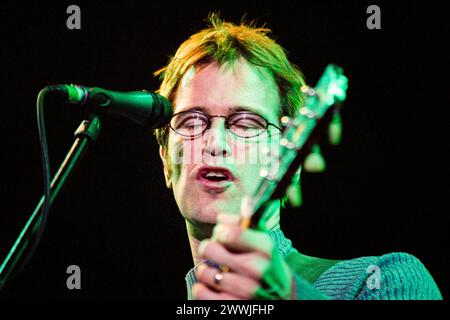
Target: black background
384, 189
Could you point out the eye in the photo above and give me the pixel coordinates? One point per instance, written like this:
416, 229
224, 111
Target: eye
247, 124
190, 120
189, 123
247, 121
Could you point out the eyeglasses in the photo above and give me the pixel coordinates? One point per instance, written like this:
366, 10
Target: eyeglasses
243, 124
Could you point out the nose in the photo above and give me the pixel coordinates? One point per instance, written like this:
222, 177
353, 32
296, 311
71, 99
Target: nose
215, 139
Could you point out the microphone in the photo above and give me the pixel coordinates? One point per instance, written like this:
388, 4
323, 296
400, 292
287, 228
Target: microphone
146, 108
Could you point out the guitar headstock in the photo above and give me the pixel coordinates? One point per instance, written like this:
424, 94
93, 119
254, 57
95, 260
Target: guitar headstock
330, 91
300, 136
332, 86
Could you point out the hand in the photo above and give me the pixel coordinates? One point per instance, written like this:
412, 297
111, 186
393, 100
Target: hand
256, 269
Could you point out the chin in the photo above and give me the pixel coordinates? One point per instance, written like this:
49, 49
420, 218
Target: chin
199, 206
206, 214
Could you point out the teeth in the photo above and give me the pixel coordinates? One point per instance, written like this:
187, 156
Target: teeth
215, 175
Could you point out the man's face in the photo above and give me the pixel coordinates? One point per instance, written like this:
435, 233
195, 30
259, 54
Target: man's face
213, 172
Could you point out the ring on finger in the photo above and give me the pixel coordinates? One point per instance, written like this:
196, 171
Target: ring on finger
218, 277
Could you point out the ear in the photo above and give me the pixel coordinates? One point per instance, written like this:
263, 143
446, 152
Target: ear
163, 155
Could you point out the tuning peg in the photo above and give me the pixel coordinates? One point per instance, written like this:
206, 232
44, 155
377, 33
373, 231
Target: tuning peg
335, 129
285, 120
315, 162
294, 194
294, 191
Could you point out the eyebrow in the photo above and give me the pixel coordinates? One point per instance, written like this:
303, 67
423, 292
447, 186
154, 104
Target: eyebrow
230, 110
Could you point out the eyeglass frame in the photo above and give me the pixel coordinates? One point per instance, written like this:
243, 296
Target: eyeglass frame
208, 126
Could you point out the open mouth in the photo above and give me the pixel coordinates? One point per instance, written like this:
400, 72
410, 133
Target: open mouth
215, 174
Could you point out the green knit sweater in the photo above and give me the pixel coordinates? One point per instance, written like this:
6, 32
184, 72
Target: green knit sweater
393, 276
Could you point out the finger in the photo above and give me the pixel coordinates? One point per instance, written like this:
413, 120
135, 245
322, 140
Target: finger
232, 283
203, 292
251, 264
248, 240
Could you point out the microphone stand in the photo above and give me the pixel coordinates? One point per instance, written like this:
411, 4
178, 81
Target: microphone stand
85, 135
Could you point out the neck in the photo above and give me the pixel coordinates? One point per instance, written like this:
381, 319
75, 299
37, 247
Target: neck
196, 234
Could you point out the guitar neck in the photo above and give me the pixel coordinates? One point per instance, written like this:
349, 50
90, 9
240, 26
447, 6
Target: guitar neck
299, 136
274, 183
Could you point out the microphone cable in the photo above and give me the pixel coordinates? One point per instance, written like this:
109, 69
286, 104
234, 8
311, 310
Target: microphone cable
42, 220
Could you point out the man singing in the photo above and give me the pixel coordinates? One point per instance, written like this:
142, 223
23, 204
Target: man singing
229, 85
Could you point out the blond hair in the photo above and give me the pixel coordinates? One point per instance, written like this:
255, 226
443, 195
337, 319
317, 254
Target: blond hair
225, 42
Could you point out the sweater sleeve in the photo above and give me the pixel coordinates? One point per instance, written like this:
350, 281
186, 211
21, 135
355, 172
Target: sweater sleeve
398, 276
